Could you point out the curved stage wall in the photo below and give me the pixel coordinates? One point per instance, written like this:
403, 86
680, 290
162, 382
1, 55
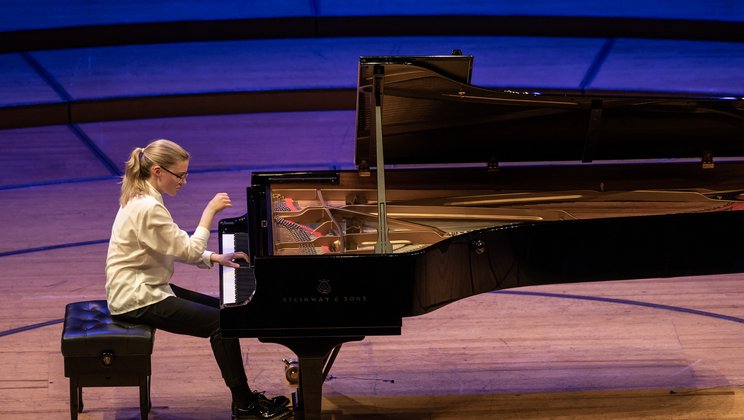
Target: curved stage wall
82, 61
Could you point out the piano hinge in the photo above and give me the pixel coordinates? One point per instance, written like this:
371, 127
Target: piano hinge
592, 132
707, 160
492, 165
363, 168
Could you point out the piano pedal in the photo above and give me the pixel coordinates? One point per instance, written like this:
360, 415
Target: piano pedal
292, 370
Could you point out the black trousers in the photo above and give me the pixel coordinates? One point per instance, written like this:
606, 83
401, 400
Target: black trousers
195, 314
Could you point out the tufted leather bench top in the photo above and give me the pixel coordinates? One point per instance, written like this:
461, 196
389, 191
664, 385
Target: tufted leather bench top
88, 328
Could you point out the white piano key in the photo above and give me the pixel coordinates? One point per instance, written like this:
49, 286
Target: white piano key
228, 285
228, 273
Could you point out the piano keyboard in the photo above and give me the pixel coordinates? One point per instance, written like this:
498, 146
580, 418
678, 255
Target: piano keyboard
237, 285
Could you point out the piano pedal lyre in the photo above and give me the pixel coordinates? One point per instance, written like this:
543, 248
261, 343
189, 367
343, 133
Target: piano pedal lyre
292, 370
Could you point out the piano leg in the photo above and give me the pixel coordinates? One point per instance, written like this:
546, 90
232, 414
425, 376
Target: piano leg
315, 355
310, 389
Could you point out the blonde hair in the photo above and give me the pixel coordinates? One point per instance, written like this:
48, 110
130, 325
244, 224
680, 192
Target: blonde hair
160, 152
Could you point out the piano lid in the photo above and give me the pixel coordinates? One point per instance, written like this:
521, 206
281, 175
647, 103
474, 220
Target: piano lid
431, 114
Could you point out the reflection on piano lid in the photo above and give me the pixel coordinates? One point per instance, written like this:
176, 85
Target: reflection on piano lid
549, 187
430, 118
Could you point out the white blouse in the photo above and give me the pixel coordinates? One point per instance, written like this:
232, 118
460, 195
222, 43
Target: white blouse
145, 242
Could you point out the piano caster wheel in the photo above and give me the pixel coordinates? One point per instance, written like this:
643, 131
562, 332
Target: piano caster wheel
292, 370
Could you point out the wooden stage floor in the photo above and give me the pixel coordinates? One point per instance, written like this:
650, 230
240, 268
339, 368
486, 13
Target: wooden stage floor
650, 349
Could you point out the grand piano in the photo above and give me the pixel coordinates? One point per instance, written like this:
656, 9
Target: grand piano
461, 190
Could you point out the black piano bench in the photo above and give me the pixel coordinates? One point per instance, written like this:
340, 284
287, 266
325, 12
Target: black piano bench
99, 351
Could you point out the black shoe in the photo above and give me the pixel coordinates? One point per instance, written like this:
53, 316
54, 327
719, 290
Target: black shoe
278, 401
261, 408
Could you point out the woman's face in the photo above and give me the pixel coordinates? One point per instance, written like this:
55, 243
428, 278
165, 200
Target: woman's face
170, 179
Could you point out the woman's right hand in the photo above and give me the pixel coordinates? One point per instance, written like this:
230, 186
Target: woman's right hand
219, 203
215, 205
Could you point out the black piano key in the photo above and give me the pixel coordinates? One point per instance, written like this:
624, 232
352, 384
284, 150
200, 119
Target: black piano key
241, 242
245, 279
245, 283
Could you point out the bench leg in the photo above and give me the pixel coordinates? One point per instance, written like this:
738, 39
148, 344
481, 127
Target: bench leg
76, 398
145, 404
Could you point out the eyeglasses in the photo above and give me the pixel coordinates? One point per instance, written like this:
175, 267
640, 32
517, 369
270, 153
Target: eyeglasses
181, 178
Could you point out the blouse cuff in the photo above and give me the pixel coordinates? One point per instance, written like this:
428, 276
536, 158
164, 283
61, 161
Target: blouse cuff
206, 259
